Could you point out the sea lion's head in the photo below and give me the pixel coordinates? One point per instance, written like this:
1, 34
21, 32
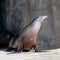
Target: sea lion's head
42, 18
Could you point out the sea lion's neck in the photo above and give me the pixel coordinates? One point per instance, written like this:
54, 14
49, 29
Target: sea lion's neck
36, 26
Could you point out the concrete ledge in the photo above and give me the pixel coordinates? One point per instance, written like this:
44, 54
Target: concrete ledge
45, 55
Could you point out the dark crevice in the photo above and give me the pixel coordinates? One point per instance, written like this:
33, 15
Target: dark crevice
2, 14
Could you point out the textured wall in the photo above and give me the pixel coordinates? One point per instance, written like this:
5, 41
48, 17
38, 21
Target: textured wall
21, 12
17, 15
56, 13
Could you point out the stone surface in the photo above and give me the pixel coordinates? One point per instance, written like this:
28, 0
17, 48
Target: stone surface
47, 55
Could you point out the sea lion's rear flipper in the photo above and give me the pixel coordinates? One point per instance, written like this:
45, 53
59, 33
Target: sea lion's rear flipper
19, 45
25, 50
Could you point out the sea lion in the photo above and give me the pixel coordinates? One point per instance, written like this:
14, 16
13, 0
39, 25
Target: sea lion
28, 39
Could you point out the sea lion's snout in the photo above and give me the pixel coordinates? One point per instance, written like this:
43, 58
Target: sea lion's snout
41, 18
44, 18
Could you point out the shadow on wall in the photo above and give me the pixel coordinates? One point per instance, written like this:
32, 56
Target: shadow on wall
5, 36
2, 15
